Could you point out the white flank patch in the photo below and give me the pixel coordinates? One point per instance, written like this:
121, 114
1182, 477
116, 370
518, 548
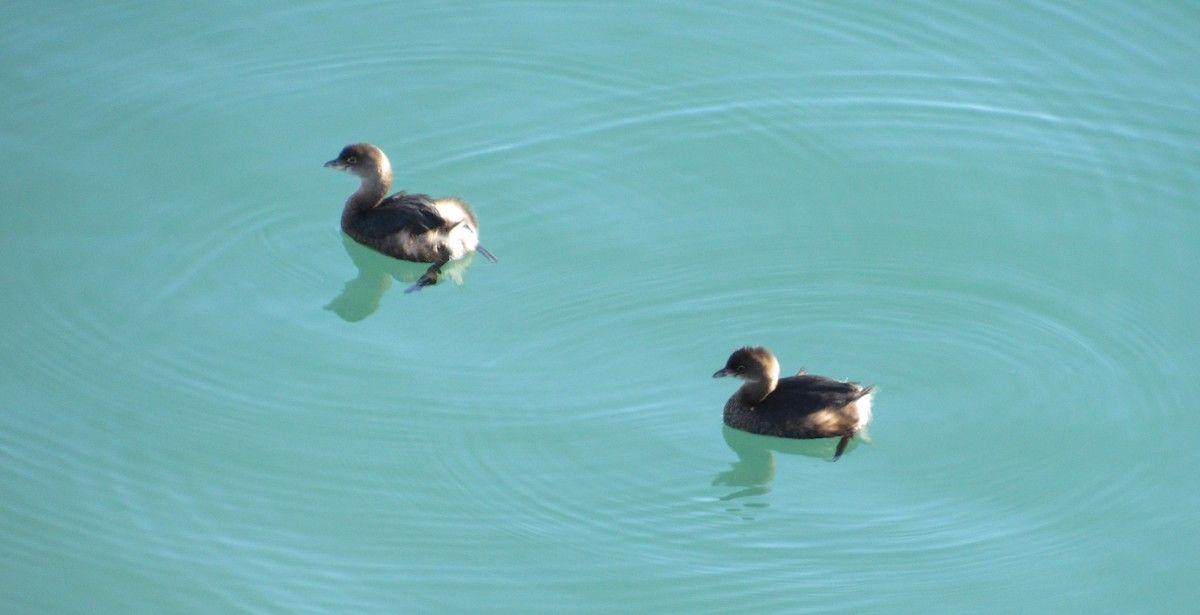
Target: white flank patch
864, 410
450, 211
462, 238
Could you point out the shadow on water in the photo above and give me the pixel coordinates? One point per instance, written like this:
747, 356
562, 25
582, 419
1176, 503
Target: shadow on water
362, 295
754, 468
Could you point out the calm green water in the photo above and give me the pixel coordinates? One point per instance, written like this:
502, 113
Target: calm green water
212, 404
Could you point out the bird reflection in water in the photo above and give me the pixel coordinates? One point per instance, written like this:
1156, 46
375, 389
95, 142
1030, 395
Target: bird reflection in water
754, 468
361, 296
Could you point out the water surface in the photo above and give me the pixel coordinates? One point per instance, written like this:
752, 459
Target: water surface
215, 403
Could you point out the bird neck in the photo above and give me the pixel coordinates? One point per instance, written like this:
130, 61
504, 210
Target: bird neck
754, 391
374, 186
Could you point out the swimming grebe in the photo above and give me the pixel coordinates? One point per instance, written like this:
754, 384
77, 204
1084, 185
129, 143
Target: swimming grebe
411, 227
800, 406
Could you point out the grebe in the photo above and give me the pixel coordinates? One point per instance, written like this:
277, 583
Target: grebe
411, 227
800, 406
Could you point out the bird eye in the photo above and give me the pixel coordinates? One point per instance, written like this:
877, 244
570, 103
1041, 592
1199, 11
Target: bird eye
741, 368
352, 159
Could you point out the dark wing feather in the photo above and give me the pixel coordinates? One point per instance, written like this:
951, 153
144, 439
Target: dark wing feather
414, 212
807, 393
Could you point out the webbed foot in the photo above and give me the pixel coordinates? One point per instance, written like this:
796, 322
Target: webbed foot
484, 251
428, 278
841, 447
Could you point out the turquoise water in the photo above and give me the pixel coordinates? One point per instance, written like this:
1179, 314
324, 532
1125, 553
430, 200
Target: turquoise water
212, 403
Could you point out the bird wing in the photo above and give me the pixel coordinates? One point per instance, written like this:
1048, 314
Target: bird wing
415, 212
812, 393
